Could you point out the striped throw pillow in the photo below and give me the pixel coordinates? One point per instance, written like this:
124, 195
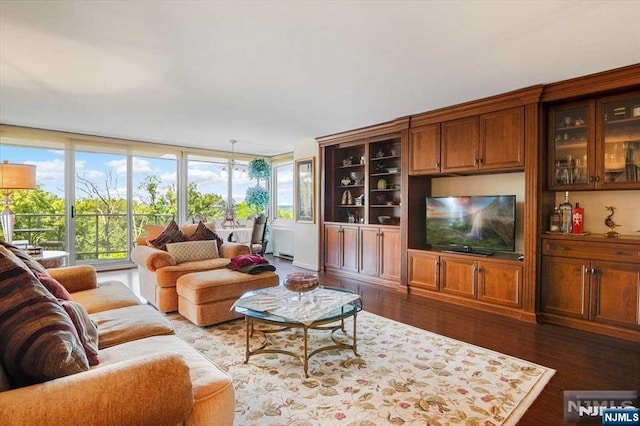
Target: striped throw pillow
38, 341
171, 234
191, 251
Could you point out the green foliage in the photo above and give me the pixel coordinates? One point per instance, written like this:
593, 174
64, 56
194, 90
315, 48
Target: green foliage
257, 197
259, 169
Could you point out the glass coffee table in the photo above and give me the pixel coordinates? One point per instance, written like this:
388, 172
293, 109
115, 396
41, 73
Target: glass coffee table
324, 308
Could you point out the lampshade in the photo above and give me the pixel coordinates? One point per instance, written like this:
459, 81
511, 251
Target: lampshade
17, 176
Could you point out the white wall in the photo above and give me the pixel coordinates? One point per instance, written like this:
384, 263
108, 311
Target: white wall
498, 184
306, 235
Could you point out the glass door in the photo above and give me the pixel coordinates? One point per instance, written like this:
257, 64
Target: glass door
99, 210
571, 146
619, 153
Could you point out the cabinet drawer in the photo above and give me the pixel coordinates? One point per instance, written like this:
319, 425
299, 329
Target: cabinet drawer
592, 250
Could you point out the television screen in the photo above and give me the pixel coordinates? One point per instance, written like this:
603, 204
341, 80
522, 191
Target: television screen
484, 222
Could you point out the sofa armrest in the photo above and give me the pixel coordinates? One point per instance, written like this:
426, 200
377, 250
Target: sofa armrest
154, 389
75, 278
141, 241
151, 258
231, 250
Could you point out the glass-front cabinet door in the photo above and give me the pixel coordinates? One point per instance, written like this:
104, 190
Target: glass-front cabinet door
571, 141
618, 158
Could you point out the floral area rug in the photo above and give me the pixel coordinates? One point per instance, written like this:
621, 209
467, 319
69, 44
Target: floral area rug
404, 376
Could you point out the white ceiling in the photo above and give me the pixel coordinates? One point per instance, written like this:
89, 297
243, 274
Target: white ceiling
275, 73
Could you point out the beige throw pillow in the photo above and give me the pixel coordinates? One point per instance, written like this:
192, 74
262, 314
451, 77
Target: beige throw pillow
190, 251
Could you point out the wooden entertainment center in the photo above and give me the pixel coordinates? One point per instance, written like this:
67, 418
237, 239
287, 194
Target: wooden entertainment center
375, 180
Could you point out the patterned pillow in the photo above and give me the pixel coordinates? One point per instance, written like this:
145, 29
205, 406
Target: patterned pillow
38, 341
203, 232
171, 234
191, 251
85, 327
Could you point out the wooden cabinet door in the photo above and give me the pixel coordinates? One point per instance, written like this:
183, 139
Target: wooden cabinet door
332, 246
390, 249
565, 286
502, 140
500, 283
458, 276
424, 150
423, 271
615, 293
349, 248
459, 145
369, 251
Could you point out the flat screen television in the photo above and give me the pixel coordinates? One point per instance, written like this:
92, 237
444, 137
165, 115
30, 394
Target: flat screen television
472, 224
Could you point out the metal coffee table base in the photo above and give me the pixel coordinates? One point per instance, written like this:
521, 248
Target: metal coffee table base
304, 358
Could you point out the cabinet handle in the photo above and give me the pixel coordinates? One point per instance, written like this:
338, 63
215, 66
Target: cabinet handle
562, 248
475, 162
481, 161
619, 253
591, 179
438, 165
597, 178
595, 271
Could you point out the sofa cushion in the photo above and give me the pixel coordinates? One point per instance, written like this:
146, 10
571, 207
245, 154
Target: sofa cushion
171, 234
191, 251
38, 341
86, 329
54, 287
203, 232
117, 326
167, 276
108, 295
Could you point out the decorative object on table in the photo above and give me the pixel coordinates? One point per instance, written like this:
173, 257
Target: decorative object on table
610, 223
258, 196
301, 282
229, 216
13, 177
304, 190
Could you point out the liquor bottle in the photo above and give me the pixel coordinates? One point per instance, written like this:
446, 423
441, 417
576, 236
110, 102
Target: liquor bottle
566, 210
556, 221
578, 219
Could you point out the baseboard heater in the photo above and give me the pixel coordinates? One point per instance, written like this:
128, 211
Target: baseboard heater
282, 243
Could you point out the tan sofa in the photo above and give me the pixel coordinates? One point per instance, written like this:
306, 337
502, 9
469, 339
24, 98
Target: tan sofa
146, 375
159, 271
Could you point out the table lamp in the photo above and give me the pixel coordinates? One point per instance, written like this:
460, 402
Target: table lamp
12, 177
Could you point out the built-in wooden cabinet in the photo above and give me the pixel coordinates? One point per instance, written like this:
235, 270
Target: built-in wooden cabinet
595, 143
362, 203
341, 247
424, 149
380, 252
592, 283
467, 279
486, 142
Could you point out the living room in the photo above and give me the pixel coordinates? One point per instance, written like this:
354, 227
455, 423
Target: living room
76, 95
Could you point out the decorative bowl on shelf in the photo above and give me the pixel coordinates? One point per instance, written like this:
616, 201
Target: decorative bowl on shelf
384, 219
392, 169
300, 282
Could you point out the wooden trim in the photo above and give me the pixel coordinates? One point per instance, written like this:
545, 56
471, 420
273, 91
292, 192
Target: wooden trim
529, 95
396, 125
595, 327
593, 84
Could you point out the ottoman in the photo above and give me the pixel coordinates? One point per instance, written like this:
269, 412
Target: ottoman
205, 298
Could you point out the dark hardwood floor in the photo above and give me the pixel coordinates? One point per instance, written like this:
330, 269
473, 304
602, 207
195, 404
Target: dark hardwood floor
582, 360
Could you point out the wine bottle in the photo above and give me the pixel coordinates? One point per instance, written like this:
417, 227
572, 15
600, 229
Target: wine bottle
566, 210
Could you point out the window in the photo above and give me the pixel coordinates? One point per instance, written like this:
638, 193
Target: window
207, 188
284, 191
